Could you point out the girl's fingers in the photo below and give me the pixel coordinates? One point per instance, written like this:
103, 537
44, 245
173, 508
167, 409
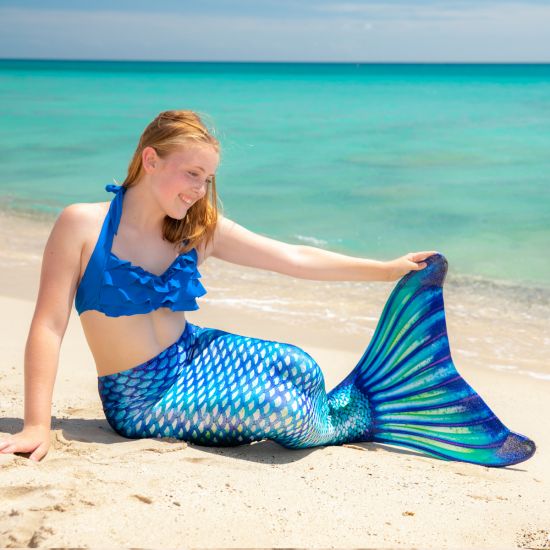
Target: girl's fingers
426, 254
38, 454
419, 256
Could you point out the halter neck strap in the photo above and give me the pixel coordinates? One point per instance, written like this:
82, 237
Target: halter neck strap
115, 210
112, 188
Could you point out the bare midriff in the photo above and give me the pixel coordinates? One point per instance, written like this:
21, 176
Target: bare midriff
120, 343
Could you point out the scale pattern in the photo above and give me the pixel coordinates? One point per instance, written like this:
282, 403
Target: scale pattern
214, 387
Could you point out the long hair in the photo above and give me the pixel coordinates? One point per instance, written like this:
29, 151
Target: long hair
168, 131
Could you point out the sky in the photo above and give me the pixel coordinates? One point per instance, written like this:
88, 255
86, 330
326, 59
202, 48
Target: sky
277, 30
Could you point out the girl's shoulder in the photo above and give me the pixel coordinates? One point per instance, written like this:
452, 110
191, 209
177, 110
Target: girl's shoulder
81, 222
84, 215
87, 208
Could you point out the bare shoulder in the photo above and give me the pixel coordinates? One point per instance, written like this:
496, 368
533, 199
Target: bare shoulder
80, 223
81, 219
84, 211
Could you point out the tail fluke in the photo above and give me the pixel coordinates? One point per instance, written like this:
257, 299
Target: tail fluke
417, 397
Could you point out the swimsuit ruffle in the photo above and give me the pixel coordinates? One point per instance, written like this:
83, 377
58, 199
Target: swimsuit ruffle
127, 287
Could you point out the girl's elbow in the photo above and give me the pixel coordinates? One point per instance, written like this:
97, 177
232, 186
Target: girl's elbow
297, 261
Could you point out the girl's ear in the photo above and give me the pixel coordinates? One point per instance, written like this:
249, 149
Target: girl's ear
149, 159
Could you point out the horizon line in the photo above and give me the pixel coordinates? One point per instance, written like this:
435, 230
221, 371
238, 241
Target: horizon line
275, 61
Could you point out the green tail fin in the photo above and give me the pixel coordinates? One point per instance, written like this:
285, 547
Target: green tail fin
417, 397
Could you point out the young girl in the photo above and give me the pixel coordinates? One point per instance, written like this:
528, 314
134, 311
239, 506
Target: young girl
131, 267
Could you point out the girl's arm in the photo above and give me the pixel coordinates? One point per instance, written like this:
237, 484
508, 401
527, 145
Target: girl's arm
233, 243
59, 275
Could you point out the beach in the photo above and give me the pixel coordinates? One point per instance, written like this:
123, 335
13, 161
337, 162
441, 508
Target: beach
95, 488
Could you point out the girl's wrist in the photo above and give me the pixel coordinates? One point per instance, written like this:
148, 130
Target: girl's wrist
385, 272
377, 270
37, 427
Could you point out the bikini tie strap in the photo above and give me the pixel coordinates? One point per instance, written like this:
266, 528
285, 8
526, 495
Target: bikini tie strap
115, 210
114, 188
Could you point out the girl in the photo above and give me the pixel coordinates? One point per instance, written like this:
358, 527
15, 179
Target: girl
131, 267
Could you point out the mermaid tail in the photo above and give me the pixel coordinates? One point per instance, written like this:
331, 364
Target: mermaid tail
417, 397
213, 387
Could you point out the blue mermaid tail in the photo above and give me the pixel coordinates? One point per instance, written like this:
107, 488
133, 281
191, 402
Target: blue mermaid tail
213, 387
417, 397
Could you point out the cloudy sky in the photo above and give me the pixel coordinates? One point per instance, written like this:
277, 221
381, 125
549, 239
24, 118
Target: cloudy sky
277, 30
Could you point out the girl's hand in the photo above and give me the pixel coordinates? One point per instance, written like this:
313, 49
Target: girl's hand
33, 439
409, 262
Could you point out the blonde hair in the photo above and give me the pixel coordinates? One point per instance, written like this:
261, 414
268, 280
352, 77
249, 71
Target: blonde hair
167, 132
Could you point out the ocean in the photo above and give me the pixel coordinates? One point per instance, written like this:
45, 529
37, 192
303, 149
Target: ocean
372, 160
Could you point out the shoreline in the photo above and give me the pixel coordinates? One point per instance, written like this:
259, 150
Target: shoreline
491, 326
31, 224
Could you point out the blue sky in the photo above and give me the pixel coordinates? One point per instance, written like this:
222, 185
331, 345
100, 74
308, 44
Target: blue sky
277, 30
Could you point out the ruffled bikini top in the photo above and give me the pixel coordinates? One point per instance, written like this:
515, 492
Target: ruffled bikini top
117, 287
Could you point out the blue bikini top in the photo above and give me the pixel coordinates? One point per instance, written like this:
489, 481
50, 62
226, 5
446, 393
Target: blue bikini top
117, 287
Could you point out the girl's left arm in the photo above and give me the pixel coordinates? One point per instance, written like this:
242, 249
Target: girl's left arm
236, 244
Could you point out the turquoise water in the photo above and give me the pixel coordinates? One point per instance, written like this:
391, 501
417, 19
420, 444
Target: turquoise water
373, 160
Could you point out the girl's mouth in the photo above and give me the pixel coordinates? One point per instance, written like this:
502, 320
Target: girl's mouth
185, 200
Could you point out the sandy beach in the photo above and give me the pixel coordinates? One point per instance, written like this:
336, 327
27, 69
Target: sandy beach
97, 489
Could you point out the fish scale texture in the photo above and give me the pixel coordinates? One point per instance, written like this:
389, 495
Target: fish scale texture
212, 387
217, 388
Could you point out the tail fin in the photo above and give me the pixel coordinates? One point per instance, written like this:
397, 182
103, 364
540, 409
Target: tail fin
417, 397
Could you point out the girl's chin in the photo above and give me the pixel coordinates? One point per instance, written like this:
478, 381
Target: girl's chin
179, 212
179, 215
181, 218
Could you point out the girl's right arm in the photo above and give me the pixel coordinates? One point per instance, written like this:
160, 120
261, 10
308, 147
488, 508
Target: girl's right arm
58, 279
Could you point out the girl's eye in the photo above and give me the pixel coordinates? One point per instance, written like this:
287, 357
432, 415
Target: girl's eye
194, 174
209, 181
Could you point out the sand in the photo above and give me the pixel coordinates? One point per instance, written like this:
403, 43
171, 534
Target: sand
97, 489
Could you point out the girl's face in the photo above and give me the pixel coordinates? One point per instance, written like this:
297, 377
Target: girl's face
181, 178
